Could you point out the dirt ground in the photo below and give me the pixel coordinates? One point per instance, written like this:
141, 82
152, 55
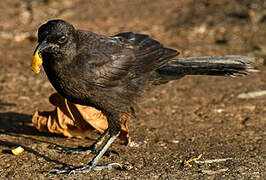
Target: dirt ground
176, 122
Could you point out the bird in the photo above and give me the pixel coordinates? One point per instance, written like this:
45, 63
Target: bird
111, 73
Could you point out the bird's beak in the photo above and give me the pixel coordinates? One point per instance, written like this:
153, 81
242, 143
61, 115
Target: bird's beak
37, 60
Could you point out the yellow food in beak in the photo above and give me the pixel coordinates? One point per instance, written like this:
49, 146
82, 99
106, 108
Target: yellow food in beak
36, 63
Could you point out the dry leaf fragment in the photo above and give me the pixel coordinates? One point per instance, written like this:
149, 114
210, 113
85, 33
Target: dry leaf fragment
187, 163
73, 120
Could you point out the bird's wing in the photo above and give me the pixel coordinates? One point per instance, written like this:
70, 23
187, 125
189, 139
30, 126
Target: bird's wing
149, 53
124, 56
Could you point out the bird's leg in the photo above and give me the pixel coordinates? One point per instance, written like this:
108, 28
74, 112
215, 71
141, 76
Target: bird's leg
86, 150
100, 140
92, 165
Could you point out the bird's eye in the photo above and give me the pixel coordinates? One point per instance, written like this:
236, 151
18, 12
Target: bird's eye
62, 39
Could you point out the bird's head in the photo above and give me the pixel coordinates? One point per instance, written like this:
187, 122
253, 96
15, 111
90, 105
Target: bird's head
57, 43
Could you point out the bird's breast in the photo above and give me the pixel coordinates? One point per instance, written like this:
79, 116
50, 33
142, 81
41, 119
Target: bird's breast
68, 81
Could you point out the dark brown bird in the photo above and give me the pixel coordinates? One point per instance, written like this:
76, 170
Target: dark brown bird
110, 73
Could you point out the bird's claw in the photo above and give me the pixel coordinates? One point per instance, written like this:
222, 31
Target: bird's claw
61, 171
108, 166
85, 169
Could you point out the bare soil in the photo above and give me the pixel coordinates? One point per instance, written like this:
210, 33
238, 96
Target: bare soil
176, 122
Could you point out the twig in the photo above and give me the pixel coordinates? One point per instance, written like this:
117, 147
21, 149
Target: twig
209, 172
212, 161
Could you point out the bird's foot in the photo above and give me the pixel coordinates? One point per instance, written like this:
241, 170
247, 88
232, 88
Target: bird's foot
78, 150
85, 169
84, 150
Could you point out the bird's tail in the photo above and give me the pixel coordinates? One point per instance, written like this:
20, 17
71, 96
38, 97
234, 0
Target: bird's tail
230, 65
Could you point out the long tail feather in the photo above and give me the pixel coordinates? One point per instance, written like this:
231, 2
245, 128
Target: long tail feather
230, 65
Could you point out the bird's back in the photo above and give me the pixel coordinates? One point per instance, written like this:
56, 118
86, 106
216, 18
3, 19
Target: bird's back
118, 69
